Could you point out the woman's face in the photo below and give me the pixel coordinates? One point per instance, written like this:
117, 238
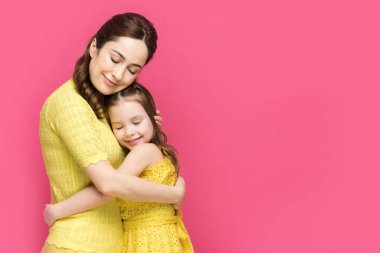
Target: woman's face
116, 65
130, 123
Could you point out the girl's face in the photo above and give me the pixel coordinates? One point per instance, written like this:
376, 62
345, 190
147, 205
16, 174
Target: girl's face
131, 124
116, 65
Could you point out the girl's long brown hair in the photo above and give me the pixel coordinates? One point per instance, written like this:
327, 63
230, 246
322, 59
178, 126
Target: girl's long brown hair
140, 94
131, 25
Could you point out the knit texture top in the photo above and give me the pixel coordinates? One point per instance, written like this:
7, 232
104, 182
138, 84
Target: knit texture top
72, 138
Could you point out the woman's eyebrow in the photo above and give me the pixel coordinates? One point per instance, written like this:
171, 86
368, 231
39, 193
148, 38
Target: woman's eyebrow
122, 56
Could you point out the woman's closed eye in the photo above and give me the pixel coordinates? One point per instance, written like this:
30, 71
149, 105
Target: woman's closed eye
133, 71
114, 60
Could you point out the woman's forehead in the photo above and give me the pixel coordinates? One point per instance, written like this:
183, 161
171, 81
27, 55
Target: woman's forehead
133, 50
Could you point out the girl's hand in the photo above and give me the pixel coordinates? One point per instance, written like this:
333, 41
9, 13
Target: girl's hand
181, 186
50, 215
158, 118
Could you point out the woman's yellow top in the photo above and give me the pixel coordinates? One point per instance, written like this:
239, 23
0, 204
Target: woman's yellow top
72, 138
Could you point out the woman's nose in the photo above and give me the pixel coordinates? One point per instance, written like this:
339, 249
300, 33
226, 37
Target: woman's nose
118, 73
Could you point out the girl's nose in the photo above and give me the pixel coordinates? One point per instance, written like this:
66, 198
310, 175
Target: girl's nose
130, 131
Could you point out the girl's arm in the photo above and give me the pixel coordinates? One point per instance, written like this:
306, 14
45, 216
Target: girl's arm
141, 157
125, 186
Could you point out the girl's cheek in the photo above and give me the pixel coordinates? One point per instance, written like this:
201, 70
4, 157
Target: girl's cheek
120, 137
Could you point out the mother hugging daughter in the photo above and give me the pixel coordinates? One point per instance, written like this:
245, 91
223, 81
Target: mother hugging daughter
79, 149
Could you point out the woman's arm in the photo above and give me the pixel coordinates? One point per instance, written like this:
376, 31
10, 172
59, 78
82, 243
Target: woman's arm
88, 198
84, 200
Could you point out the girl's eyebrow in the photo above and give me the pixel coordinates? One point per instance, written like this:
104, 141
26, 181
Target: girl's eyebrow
136, 117
122, 56
133, 118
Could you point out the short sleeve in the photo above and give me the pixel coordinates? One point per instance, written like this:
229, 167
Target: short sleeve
74, 122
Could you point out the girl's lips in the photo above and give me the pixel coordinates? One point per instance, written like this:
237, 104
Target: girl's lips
131, 141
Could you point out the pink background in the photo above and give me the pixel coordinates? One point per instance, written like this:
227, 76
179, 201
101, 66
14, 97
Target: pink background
273, 106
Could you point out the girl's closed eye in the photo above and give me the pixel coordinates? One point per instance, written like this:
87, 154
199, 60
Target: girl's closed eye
118, 128
136, 122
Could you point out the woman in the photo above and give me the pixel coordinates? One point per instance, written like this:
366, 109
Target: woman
78, 145
148, 227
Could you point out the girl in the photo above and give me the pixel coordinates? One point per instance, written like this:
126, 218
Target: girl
148, 227
78, 145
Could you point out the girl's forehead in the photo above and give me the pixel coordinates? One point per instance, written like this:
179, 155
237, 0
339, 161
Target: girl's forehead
134, 97
126, 108
126, 99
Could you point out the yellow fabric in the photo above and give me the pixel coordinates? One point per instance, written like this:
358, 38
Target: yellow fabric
154, 227
49, 248
72, 138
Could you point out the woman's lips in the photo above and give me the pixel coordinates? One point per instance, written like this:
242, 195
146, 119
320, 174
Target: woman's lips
110, 83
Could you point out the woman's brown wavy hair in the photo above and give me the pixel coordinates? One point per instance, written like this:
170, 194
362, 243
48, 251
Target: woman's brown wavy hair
137, 92
131, 25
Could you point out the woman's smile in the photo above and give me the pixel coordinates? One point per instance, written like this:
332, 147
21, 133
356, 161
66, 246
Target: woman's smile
109, 82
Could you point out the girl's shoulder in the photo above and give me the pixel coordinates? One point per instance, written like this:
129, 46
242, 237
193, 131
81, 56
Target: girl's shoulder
150, 152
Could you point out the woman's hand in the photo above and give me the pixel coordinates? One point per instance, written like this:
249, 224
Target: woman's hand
181, 186
158, 118
50, 214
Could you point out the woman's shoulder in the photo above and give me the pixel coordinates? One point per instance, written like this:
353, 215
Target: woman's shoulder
65, 97
65, 90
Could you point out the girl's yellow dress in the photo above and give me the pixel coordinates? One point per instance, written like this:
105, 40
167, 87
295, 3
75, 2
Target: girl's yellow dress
154, 227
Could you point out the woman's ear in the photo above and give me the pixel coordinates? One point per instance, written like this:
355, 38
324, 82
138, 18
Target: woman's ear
93, 49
